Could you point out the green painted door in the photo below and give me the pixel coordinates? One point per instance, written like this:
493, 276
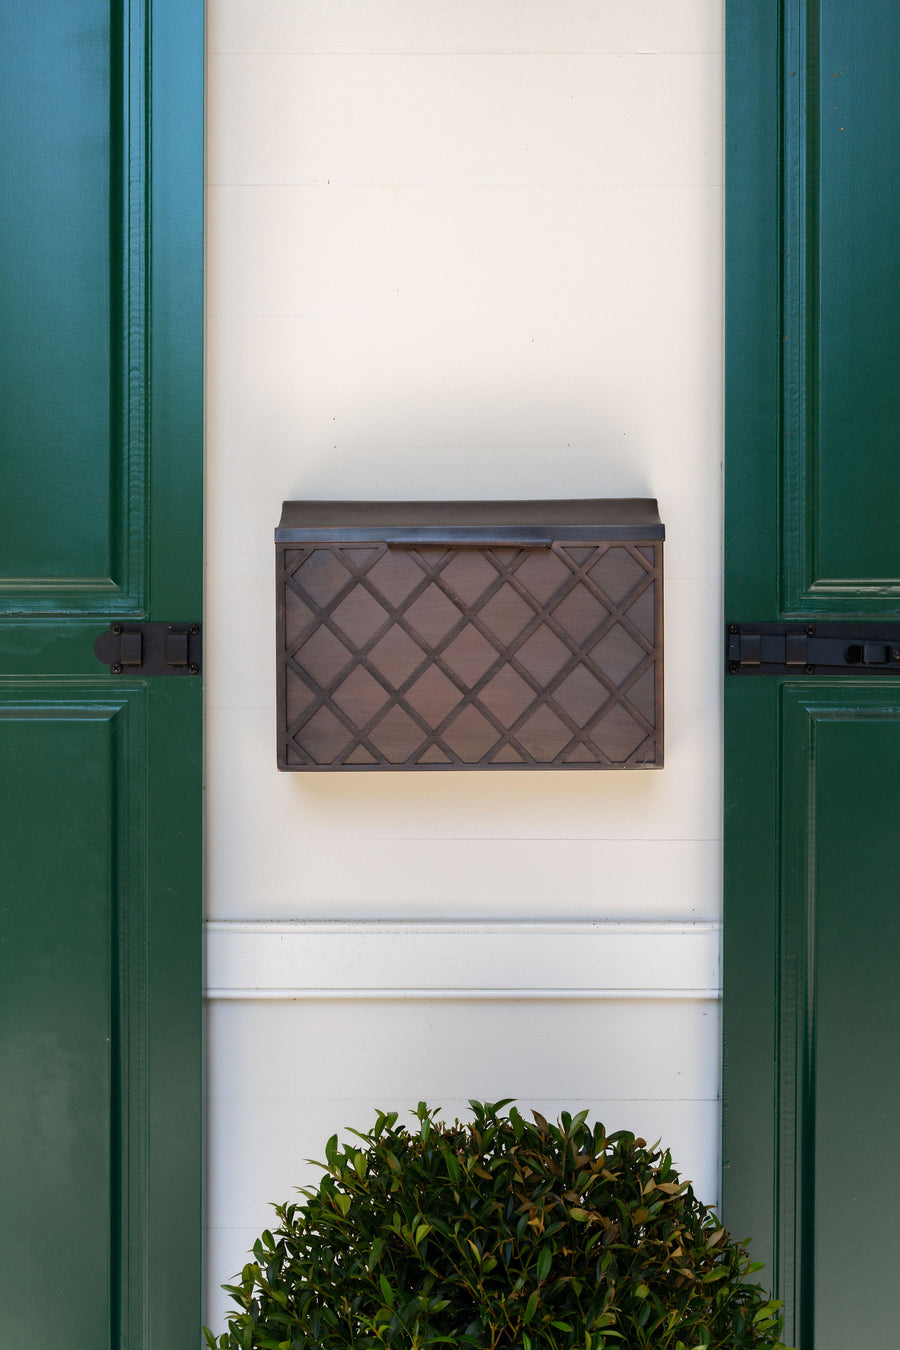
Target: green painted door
100, 520
812, 792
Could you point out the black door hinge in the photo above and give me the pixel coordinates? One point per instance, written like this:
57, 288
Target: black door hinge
151, 648
812, 649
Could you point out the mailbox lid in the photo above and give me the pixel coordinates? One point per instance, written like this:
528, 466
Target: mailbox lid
481, 522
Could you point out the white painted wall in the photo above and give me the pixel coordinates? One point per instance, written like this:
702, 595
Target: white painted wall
458, 248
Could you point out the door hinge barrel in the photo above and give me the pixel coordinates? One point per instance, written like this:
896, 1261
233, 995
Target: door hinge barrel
151, 648
819, 649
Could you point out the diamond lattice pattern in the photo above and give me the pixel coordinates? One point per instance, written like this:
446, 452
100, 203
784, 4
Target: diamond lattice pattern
476, 657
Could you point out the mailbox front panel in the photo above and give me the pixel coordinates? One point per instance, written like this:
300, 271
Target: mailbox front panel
449, 656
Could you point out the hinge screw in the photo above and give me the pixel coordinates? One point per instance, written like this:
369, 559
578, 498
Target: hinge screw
195, 670
733, 667
733, 628
117, 628
116, 669
810, 630
809, 670
895, 654
195, 628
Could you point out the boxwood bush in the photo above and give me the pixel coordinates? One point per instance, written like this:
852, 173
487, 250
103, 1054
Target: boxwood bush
497, 1232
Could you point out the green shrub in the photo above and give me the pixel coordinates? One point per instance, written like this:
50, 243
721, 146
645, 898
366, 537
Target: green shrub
498, 1233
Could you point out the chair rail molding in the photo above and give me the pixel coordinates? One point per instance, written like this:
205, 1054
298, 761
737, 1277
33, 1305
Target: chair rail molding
474, 960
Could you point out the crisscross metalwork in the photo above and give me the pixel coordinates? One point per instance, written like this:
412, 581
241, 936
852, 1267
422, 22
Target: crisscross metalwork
396, 656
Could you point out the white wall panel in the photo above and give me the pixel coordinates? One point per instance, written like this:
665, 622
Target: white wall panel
458, 250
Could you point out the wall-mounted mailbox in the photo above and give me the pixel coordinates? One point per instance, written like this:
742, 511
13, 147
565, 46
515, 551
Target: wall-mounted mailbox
470, 635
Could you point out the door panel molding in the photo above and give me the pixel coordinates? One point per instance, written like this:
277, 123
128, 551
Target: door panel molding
82, 254
64, 1085
839, 748
446, 959
839, 337
813, 331
811, 936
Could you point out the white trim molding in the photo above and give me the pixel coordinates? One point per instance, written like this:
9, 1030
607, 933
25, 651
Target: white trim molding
435, 959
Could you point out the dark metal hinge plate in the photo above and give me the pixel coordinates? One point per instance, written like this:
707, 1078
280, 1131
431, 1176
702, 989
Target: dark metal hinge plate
812, 649
151, 648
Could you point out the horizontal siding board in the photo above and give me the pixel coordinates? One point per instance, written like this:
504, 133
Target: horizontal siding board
440, 253
463, 120
492, 878
491, 26
241, 1123
515, 960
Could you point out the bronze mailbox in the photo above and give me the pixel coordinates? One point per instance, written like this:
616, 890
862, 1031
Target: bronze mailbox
470, 635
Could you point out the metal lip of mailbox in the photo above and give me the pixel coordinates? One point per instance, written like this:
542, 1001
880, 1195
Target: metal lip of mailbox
470, 635
481, 522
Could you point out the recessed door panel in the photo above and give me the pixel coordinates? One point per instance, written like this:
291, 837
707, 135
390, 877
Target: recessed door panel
854, 255
839, 1042
835, 334
62, 1033
71, 388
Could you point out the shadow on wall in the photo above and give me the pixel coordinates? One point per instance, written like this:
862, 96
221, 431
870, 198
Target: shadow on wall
511, 450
